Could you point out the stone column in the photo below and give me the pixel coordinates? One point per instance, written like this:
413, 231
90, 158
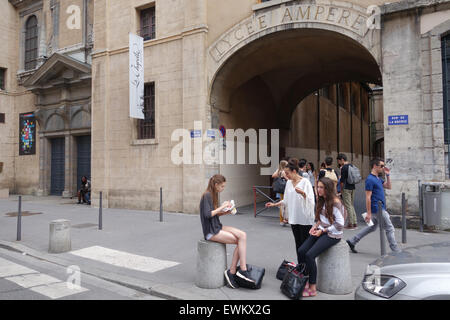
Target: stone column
100, 107
69, 167
44, 166
195, 107
405, 145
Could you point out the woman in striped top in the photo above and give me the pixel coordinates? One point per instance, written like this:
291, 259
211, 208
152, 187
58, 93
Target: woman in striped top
327, 231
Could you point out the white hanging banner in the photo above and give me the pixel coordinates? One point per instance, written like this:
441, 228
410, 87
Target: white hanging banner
136, 76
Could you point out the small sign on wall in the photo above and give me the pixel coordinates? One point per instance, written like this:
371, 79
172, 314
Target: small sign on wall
196, 134
398, 120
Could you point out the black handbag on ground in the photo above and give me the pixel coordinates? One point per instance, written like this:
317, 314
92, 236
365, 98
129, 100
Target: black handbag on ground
279, 185
256, 273
284, 268
294, 282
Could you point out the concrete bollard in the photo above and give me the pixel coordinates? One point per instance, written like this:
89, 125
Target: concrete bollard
60, 236
211, 264
333, 270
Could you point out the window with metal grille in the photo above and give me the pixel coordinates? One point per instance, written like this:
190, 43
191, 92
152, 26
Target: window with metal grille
446, 85
148, 24
146, 127
2, 78
31, 43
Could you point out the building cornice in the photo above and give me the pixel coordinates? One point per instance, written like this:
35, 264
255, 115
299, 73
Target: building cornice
408, 5
153, 42
23, 3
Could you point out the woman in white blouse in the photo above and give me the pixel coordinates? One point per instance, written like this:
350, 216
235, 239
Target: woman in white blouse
299, 203
327, 231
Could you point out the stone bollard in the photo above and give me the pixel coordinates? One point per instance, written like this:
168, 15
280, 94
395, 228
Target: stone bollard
211, 264
333, 270
60, 236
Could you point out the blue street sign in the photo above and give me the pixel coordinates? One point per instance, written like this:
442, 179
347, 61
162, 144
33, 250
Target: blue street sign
211, 134
196, 134
398, 120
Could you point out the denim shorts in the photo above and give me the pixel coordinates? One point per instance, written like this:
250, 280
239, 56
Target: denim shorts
209, 236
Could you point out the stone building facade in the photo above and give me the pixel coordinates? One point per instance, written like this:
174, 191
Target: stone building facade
329, 75
47, 63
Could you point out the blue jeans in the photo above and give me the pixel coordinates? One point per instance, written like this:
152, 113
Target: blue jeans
87, 196
388, 227
311, 249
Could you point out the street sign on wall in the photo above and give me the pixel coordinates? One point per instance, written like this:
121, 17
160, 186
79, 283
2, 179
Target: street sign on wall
398, 120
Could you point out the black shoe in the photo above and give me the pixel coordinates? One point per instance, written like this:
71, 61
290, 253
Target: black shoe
231, 279
352, 246
244, 275
79, 202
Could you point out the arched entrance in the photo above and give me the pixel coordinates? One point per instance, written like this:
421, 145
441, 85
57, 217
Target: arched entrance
303, 69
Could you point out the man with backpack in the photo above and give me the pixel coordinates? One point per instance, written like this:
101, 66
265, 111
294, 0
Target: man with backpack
329, 172
350, 176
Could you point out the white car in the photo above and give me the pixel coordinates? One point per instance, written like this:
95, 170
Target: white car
418, 273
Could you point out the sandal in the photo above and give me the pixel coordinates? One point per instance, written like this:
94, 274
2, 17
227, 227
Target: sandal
308, 293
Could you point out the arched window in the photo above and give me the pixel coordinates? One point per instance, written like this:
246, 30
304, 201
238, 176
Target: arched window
31, 43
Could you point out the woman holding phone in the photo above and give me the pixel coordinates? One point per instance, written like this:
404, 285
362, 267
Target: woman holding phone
299, 203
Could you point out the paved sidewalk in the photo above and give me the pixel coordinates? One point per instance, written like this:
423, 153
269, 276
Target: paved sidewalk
175, 239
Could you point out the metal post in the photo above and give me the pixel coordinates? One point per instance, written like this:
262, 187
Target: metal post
403, 218
381, 225
160, 205
254, 198
100, 212
420, 207
19, 220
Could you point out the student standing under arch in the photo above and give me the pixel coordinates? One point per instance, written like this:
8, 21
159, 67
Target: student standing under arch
299, 203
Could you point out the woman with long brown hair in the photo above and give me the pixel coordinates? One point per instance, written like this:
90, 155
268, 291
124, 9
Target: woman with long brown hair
327, 231
213, 230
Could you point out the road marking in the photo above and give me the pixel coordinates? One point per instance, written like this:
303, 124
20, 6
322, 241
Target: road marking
36, 281
124, 259
33, 280
58, 290
8, 269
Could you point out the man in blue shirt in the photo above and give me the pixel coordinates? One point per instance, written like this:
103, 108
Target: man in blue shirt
374, 193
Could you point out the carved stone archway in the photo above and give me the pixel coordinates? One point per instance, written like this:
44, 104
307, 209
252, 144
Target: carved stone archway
346, 21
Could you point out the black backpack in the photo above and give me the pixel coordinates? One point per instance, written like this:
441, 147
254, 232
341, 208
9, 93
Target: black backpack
279, 184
